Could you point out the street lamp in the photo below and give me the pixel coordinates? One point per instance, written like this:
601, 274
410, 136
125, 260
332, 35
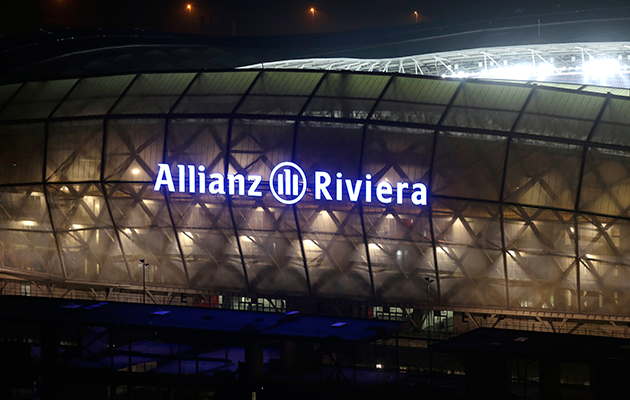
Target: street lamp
416, 14
144, 281
313, 14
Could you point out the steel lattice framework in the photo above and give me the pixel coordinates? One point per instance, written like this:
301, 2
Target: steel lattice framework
529, 187
598, 64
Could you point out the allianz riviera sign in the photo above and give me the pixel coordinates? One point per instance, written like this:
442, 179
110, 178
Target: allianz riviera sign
288, 184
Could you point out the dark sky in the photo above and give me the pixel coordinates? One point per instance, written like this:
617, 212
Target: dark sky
257, 18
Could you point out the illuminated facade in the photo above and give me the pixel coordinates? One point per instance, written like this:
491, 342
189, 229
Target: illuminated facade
528, 188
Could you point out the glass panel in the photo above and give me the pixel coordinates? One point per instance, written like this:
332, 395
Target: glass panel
332, 233
280, 93
74, 151
94, 96
153, 94
603, 239
134, 148
21, 153
29, 251
216, 92
606, 182
37, 99
93, 255
77, 207
469, 253
542, 173
343, 95
541, 258
469, 165
24, 207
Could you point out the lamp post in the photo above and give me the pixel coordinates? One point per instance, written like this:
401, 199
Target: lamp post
313, 14
416, 14
429, 282
429, 322
144, 281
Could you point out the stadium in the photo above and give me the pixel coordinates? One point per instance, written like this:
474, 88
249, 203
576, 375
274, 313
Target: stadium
455, 188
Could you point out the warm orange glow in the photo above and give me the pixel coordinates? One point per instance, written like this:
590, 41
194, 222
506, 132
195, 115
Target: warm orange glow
312, 10
189, 7
416, 13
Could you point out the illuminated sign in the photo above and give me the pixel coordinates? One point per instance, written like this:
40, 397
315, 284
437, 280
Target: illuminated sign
288, 184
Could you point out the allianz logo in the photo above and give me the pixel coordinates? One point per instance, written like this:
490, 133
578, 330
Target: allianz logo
288, 184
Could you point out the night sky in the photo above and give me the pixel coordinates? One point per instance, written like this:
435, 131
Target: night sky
259, 18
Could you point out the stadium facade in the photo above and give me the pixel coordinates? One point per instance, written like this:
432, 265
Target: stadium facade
460, 194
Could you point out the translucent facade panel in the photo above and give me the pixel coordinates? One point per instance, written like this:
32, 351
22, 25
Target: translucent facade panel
346, 96
271, 247
542, 173
614, 125
604, 239
158, 247
540, 258
30, 251
486, 106
480, 118
37, 99
213, 260
94, 96
401, 254
335, 250
204, 224
331, 231
77, 206
469, 165
420, 90
560, 114
136, 205
282, 93
553, 126
74, 151
153, 94
197, 142
133, 149
469, 253
398, 154
329, 147
93, 255
415, 100
266, 228
216, 92
606, 182
258, 145
408, 112
604, 264
21, 153
494, 97
24, 208
605, 287
7, 92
